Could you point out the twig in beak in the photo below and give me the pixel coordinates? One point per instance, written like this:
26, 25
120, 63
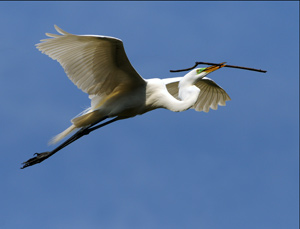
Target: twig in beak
229, 66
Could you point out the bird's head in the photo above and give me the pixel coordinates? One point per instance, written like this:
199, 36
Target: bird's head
199, 73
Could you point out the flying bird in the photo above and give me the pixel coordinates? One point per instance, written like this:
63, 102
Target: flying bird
98, 65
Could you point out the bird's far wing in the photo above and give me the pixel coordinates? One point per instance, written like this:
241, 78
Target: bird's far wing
211, 94
96, 64
172, 85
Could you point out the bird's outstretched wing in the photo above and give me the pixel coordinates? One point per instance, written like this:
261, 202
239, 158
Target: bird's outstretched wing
96, 64
211, 94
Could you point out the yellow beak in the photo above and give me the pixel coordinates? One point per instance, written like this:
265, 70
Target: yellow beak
214, 67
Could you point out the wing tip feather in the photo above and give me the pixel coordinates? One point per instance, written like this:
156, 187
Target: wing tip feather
61, 31
52, 35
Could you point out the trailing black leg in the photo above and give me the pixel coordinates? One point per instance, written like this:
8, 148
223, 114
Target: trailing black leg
39, 157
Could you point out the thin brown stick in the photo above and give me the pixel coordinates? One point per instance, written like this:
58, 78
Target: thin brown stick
229, 66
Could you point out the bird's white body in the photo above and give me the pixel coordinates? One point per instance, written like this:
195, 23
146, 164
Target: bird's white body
137, 101
98, 65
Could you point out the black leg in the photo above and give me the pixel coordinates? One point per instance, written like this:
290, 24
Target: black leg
39, 157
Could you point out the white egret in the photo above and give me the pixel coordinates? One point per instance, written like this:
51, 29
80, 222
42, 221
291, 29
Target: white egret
98, 65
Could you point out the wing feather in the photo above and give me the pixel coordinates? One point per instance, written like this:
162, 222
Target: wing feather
211, 95
95, 64
172, 85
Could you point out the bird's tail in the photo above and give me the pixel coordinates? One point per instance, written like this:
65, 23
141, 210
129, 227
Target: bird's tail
62, 135
86, 118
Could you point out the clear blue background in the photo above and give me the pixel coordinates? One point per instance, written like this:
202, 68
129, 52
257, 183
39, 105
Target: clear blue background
237, 167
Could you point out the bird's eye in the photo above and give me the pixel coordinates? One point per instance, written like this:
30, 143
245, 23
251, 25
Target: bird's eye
200, 70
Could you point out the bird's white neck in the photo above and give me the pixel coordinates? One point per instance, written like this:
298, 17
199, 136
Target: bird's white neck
188, 93
159, 97
188, 96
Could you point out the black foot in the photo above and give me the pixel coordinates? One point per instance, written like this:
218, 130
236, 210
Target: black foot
37, 159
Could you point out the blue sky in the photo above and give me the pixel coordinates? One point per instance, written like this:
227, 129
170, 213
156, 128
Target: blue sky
237, 167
